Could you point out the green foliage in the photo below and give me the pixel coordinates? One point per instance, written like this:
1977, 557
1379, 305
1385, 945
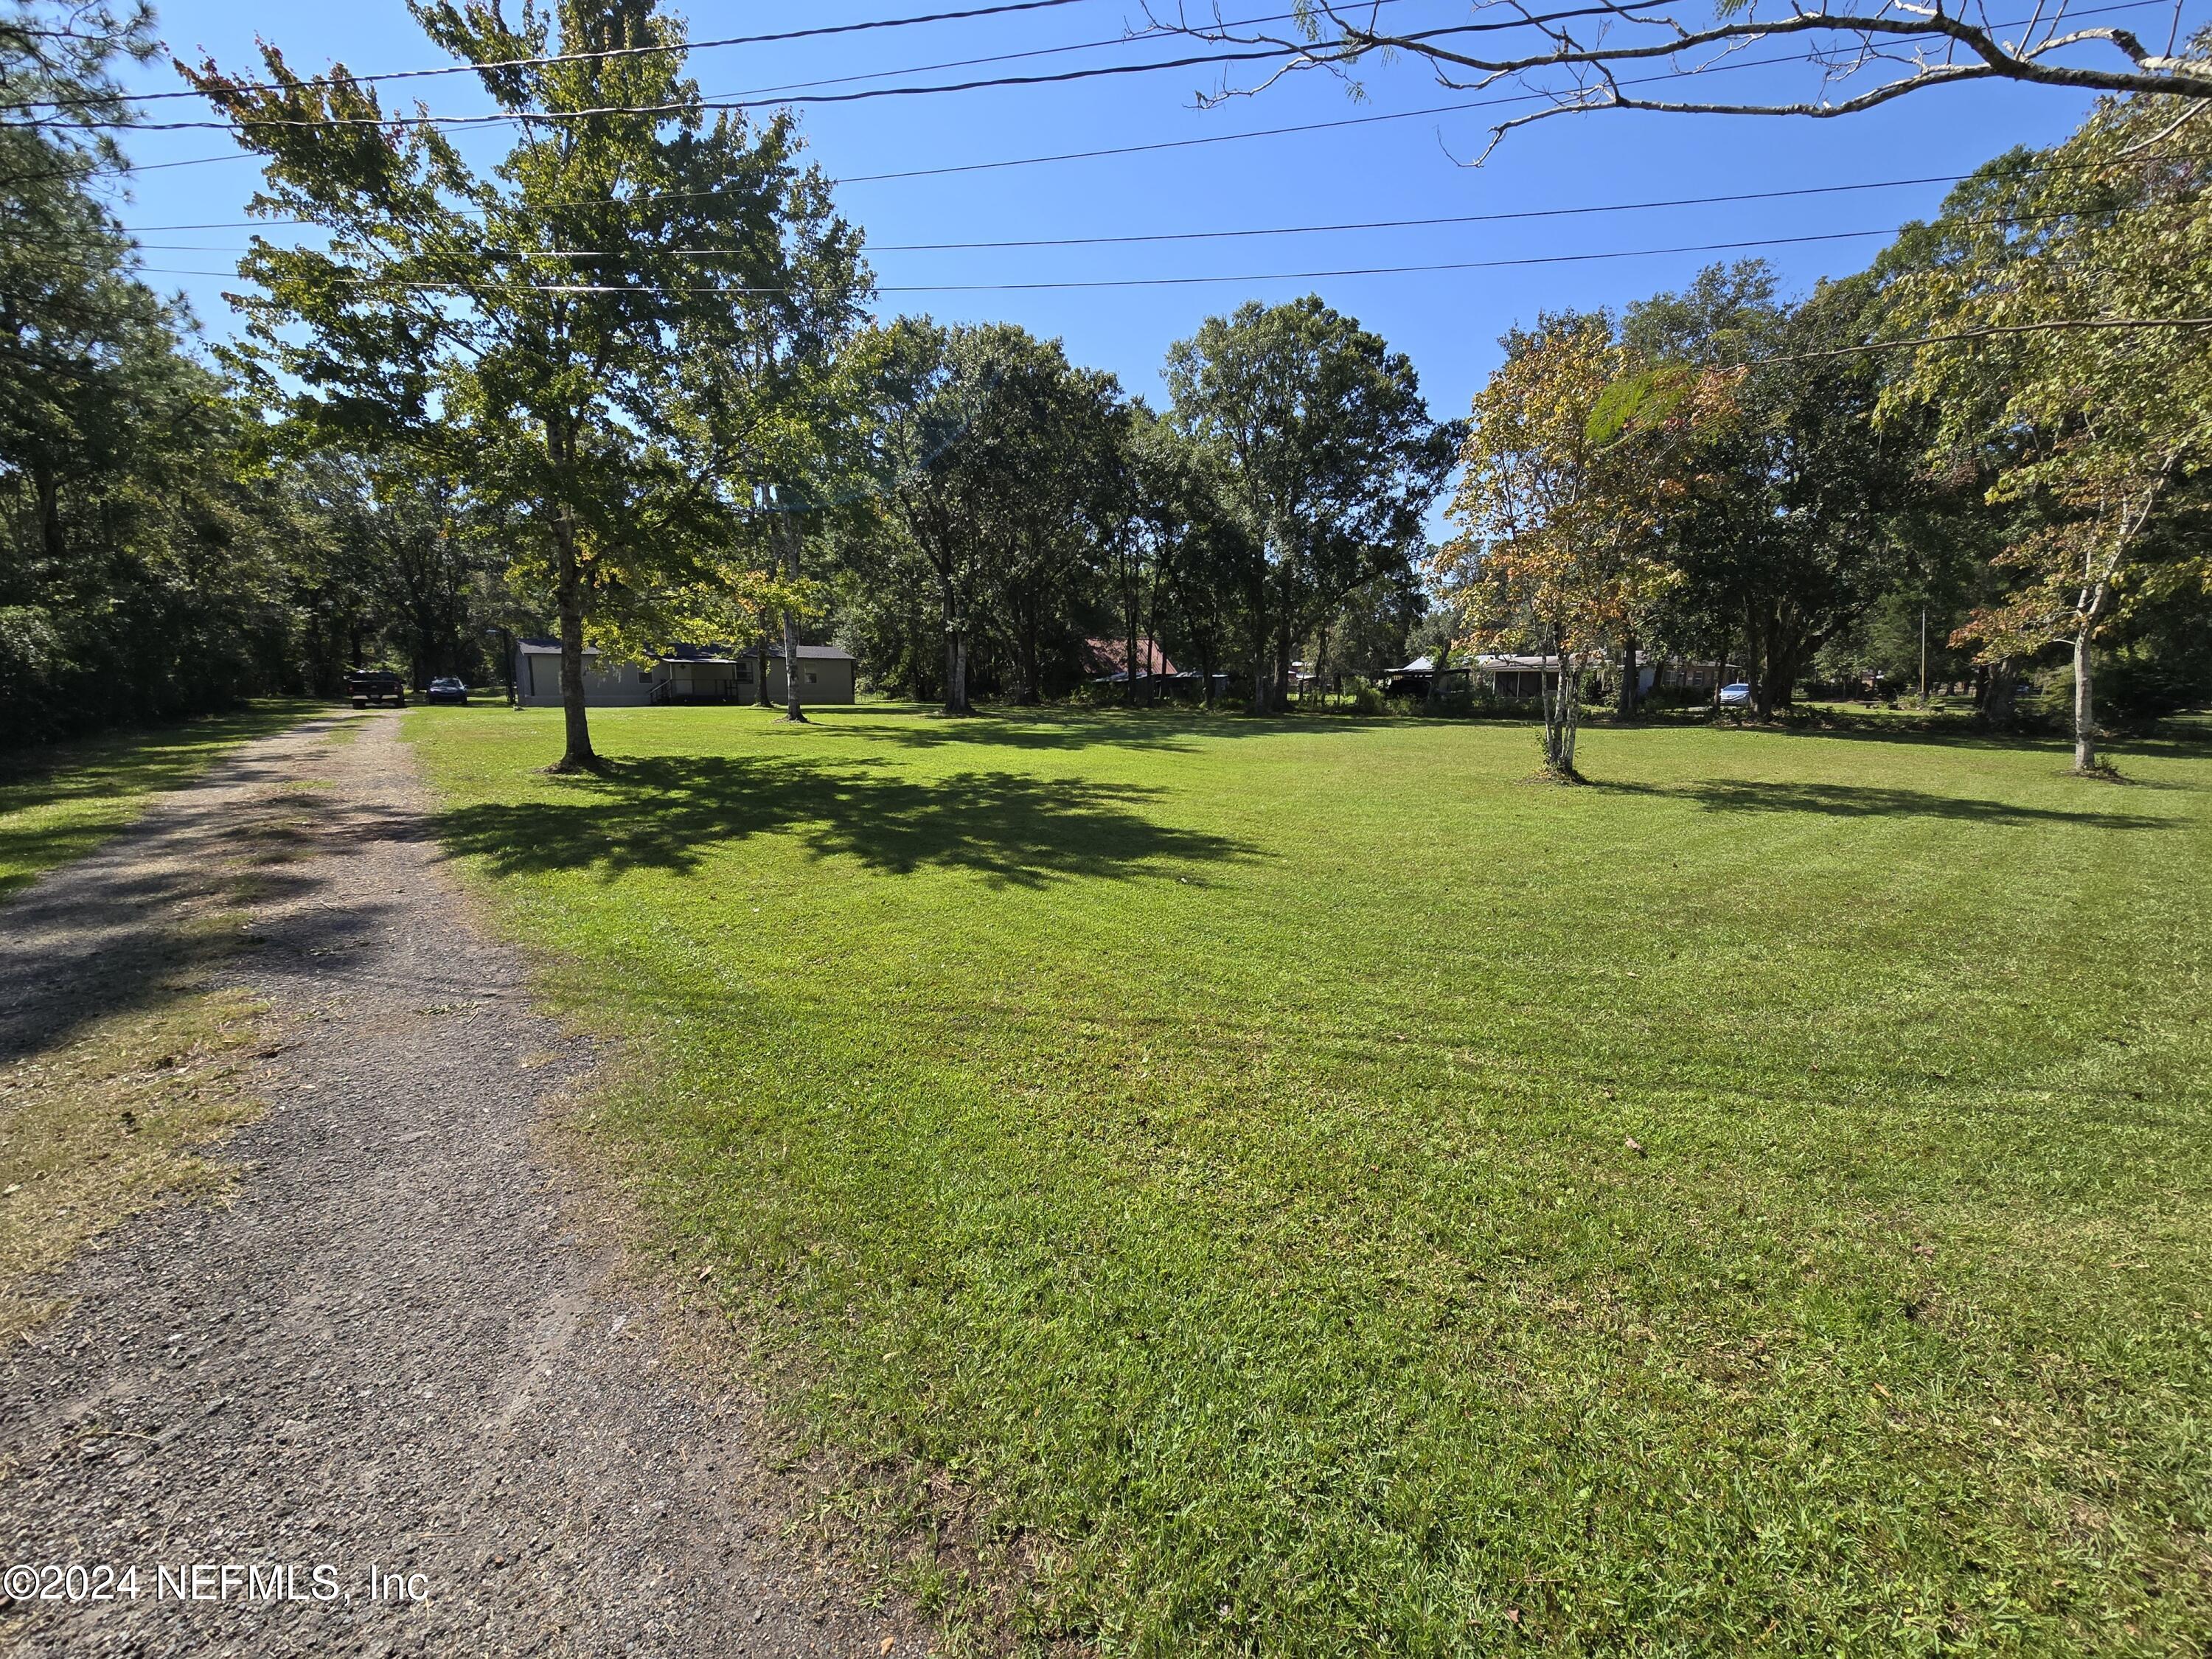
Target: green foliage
2093, 438
1004, 482
1133, 1142
1561, 539
142, 574
1805, 511
1646, 398
614, 427
1321, 440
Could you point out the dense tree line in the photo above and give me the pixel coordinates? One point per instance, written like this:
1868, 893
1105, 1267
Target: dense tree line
159, 555
1039, 508
2001, 432
431, 435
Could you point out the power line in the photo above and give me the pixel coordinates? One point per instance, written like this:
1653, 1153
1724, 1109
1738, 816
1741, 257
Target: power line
1409, 224
737, 105
1124, 39
1989, 331
1382, 270
551, 58
1197, 235
1125, 281
743, 103
1111, 151
1985, 332
1343, 122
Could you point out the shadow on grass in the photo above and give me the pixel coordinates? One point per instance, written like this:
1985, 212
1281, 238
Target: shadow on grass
1953, 732
667, 813
1051, 727
57, 803
1866, 800
178, 896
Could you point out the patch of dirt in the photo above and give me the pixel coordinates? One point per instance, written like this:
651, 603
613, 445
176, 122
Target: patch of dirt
395, 1351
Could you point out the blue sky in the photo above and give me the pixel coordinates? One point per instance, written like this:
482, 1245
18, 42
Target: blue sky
1448, 322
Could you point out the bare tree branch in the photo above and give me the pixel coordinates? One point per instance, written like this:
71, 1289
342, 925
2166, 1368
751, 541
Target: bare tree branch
1865, 56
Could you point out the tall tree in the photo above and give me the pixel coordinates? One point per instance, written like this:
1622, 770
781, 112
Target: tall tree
937, 508
770, 414
1807, 508
1320, 435
1053, 449
2036, 295
143, 572
521, 325
1572, 461
1197, 544
996, 459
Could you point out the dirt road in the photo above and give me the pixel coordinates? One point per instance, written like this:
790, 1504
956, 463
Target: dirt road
396, 1359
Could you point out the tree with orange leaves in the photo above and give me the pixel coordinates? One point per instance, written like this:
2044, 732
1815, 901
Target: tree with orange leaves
1576, 454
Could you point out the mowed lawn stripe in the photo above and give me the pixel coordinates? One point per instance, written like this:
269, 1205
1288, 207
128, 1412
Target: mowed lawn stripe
1207, 1141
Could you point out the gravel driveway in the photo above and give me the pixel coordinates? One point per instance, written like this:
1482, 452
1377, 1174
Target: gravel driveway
396, 1350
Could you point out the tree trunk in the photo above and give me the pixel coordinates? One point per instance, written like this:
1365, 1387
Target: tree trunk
568, 597
956, 656
1999, 690
788, 530
1259, 657
1759, 638
761, 698
1629, 678
1032, 653
2085, 702
1548, 688
1129, 661
51, 536
1570, 707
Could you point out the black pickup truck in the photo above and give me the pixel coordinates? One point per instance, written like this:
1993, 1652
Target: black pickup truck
378, 686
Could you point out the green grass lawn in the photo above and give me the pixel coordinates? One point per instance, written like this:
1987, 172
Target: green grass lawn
1206, 1146
57, 803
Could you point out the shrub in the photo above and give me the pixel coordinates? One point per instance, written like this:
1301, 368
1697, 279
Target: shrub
2134, 693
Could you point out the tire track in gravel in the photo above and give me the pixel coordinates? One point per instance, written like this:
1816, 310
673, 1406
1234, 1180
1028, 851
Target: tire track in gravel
390, 1345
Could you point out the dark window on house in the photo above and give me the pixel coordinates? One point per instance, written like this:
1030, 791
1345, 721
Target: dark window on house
645, 676
809, 676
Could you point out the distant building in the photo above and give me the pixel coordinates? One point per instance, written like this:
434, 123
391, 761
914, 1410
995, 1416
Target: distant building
682, 674
1515, 676
1107, 660
1415, 678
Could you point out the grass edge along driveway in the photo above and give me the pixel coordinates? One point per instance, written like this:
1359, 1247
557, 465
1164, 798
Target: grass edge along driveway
58, 803
1310, 1191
